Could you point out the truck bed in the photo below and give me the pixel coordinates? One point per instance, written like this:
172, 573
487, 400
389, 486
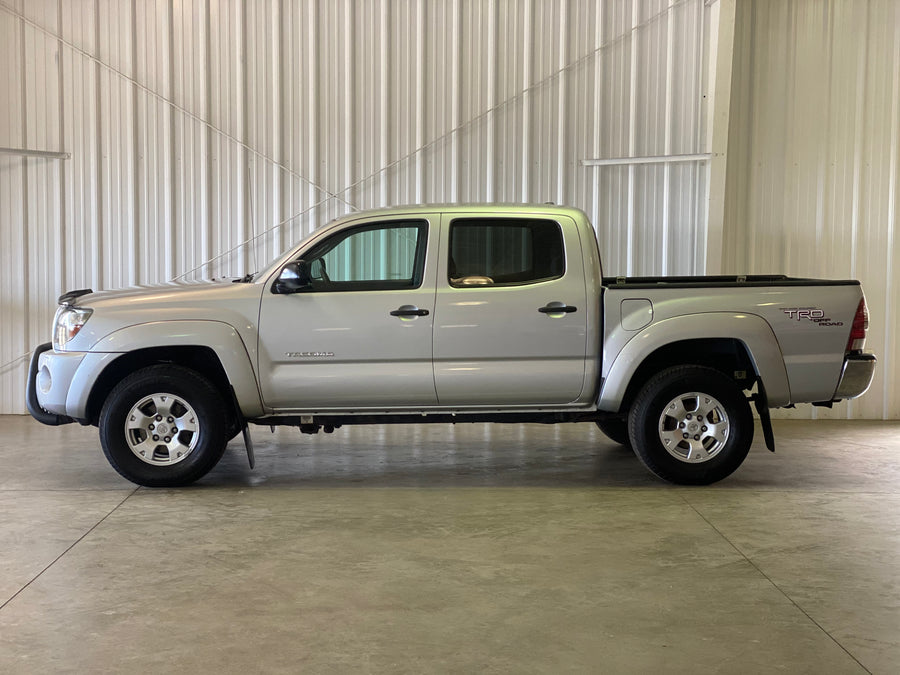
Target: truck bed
722, 281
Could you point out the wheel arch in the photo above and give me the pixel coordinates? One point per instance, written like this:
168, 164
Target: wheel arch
213, 349
675, 341
201, 359
727, 355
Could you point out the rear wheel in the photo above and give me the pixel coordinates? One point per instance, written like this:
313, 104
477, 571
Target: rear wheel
164, 426
691, 425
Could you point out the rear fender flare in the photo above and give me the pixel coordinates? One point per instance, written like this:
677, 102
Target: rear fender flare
751, 330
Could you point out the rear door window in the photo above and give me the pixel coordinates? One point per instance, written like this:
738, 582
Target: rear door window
504, 252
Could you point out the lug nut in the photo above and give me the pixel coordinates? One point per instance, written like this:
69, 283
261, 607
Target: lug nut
680, 426
170, 419
689, 416
155, 437
167, 439
685, 435
159, 418
697, 438
152, 427
703, 429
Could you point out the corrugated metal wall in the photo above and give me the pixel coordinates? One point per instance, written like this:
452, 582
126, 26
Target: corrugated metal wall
814, 152
195, 126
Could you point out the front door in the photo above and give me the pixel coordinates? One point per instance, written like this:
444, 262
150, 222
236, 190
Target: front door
510, 315
360, 335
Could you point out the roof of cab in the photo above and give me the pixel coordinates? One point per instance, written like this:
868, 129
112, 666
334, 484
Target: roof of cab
492, 209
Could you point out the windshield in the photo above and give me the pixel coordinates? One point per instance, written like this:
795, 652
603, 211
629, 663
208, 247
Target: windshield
280, 258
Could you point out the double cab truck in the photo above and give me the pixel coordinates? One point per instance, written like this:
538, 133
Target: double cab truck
448, 314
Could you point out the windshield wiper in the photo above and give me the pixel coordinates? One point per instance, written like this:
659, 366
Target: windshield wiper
246, 279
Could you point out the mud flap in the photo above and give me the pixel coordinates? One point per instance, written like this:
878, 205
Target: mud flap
245, 430
248, 442
761, 401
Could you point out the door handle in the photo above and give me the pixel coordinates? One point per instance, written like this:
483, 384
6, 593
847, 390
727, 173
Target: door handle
557, 308
409, 310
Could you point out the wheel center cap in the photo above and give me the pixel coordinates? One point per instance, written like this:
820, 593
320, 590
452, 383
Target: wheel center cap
693, 426
162, 428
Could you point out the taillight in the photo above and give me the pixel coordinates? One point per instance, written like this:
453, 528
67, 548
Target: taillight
860, 325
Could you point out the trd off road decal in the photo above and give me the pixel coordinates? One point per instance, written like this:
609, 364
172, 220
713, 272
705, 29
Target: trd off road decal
813, 314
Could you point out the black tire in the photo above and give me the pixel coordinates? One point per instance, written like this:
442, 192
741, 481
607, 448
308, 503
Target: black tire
707, 448
615, 429
187, 411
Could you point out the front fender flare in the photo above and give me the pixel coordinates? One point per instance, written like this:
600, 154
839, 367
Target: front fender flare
221, 337
751, 330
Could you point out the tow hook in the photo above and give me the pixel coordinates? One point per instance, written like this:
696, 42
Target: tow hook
308, 425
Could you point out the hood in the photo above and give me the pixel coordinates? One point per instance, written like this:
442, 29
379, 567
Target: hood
221, 301
146, 294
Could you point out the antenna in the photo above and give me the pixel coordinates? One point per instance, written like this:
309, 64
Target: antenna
252, 241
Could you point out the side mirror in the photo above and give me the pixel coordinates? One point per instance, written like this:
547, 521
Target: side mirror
294, 277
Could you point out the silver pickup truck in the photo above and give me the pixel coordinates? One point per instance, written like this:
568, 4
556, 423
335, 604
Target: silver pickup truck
448, 313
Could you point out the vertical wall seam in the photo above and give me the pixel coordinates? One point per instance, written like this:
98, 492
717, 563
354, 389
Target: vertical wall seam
822, 160
277, 26
701, 171
667, 140
527, 64
791, 175
597, 117
137, 174
858, 144
26, 187
749, 204
207, 246
243, 185
491, 122
420, 100
172, 164
893, 180
348, 113
563, 90
63, 174
384, 76
632, 138
314, 127
455, 100
97, 224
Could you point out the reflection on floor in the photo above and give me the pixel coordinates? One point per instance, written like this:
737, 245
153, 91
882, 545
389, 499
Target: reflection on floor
469, 548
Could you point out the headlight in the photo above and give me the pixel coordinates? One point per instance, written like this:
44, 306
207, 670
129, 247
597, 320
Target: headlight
67, 323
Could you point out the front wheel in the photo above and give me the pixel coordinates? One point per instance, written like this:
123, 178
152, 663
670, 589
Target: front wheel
164, 426
691, 425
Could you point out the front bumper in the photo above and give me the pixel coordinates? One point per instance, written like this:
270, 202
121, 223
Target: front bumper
856, 376
49, 378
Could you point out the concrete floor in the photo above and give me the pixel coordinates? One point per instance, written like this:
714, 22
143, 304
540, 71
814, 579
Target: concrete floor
470, 549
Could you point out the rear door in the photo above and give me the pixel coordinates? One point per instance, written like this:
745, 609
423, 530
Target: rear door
510, 314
